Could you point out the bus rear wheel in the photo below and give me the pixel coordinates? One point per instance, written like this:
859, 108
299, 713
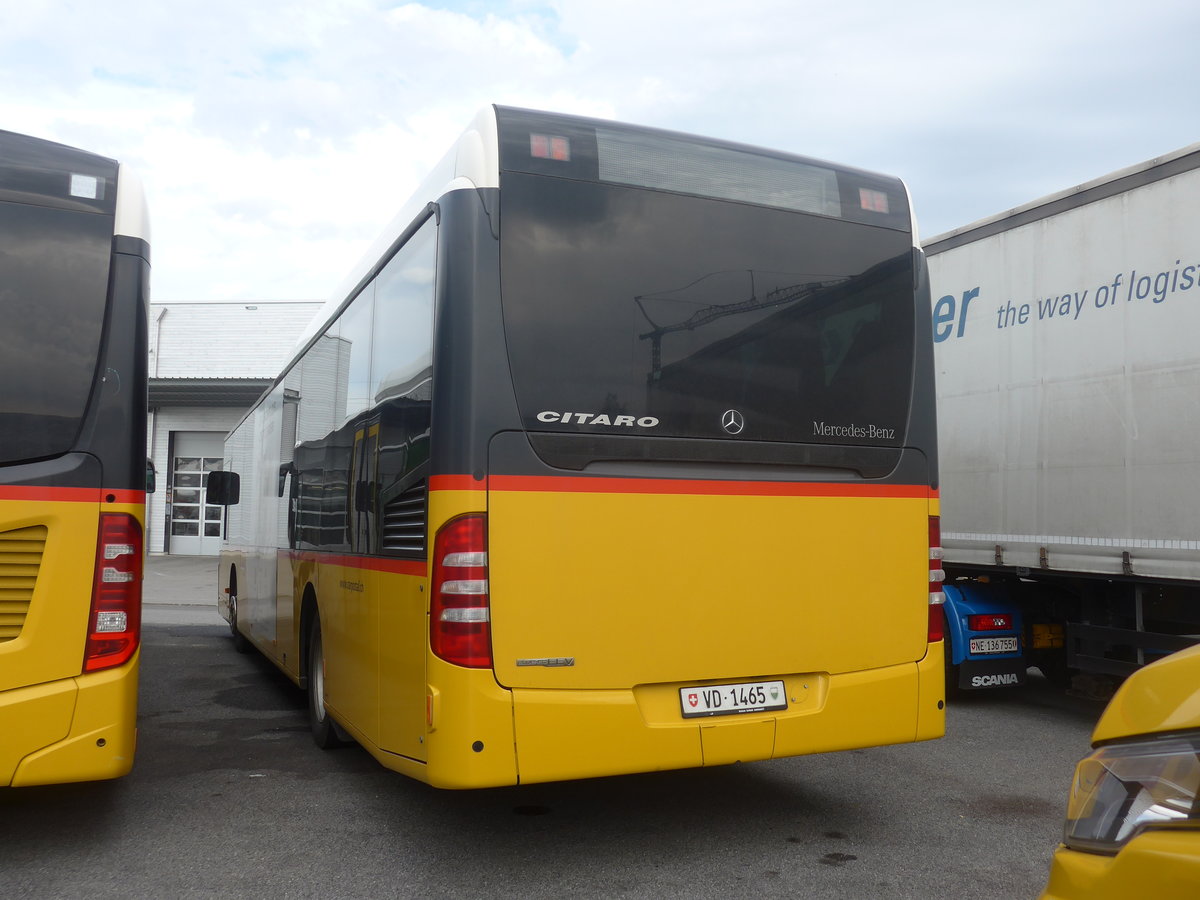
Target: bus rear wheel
325, 732
240, 644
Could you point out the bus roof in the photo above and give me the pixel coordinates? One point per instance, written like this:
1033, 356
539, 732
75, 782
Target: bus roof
45, 173
474, 161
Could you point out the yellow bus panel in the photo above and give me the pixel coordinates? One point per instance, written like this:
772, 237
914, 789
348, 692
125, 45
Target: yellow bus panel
33, 718
56, 724
579, 734
56, 580
643, 588
102, 736
470, 729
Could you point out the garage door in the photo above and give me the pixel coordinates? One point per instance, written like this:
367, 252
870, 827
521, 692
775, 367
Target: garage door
195, 525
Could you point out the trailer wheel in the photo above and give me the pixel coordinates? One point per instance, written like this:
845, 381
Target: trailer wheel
1054, 667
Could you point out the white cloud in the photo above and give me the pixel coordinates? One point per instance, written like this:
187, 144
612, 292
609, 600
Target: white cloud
277, 137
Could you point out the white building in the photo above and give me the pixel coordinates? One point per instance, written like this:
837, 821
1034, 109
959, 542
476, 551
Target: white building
209, 362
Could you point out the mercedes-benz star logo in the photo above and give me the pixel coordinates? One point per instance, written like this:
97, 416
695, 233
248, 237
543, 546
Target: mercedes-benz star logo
732, 421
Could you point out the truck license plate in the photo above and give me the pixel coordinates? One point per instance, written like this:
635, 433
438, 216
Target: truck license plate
730, 699
994, 645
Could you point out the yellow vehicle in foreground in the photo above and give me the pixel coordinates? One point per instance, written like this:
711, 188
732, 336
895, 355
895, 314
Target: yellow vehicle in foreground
74, 289
1133, 819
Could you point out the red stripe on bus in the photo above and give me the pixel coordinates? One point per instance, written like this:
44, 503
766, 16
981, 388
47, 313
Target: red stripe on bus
457, 483
370, 563
611, 485
124, 496
43, 493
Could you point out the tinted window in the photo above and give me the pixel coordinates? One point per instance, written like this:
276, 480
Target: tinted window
593, 150
689, 167
53, 286
353, 330
636, 311
402, 388
363, 411
402, 357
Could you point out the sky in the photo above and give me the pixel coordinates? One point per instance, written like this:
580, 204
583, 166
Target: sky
276, 139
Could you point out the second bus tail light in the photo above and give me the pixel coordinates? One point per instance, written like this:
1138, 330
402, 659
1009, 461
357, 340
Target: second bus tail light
937, 616
460, 630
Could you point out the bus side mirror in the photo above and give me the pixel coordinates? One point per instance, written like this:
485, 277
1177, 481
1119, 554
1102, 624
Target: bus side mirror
284, 470
151, 478
224, 488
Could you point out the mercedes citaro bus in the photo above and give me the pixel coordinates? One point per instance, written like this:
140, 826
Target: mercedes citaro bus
616, 454
74, 276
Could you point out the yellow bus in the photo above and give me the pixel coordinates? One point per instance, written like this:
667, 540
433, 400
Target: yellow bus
616, 454
74, 279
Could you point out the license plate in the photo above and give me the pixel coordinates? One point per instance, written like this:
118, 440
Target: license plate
994, 645
731, 699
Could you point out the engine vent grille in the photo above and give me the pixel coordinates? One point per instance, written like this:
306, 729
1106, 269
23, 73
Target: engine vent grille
404, 521
20, 559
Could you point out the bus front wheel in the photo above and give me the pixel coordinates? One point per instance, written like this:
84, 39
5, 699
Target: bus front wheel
240, 644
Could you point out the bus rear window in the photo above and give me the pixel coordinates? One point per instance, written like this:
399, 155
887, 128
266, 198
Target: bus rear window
671, 164
644, 312
53, 273
594, 150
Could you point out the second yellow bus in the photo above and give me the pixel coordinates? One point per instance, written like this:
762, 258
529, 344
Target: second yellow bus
616, 455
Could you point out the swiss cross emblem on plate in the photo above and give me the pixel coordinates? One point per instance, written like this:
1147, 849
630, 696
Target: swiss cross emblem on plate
693, 700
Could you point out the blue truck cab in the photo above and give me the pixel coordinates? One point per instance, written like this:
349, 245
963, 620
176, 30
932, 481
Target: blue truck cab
985, 637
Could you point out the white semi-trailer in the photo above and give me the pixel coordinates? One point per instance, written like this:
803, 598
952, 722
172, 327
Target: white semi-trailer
1067, 346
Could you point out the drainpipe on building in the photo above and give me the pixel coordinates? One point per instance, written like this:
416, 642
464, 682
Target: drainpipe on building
152, 424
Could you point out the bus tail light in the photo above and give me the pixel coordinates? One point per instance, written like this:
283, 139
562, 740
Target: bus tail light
460, 629
115, 623
937, 618
550, 146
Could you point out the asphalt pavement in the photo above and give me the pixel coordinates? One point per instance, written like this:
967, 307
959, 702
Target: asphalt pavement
229, 797
180, 590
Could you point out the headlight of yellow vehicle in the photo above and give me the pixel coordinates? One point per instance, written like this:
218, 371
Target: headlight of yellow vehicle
1124, 788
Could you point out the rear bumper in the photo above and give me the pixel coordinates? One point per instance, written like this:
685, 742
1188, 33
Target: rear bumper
77, 729
581, 734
